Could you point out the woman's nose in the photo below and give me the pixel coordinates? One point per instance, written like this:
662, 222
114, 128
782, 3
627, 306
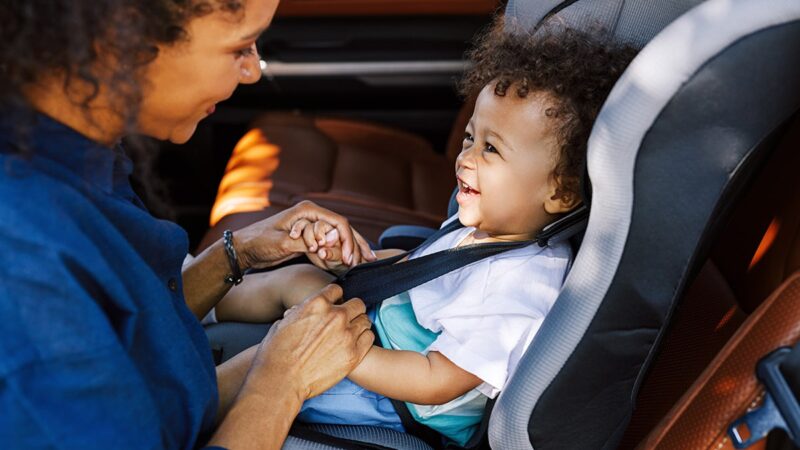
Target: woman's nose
251, 70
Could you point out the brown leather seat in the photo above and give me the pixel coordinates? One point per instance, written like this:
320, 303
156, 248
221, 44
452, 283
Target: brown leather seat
374, 175
728, 387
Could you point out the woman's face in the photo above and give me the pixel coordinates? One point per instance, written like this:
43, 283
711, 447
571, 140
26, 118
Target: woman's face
187, 79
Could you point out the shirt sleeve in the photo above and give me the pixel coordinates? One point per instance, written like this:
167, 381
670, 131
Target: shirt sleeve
488, 327
65, 380
486, 350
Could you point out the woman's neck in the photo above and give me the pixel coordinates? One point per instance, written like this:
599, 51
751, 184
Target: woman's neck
94, 121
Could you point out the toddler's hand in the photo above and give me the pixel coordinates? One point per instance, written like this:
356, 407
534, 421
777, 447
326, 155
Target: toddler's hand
325, 247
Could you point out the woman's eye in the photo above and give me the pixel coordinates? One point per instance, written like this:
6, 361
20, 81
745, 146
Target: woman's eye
468, 137
247, 51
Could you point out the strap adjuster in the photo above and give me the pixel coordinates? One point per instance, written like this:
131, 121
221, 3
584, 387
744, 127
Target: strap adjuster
779, 410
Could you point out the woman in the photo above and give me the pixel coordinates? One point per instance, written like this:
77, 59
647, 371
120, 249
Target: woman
100, 340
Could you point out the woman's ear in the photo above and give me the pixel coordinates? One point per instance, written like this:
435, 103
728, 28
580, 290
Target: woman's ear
560, 200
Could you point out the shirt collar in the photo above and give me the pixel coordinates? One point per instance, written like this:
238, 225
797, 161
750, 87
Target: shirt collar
108, 168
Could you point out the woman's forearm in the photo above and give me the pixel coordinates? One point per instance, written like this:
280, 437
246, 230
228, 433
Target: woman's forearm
259, 416
204, 279
230, 377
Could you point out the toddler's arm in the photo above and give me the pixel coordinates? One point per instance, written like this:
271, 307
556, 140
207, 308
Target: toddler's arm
413, 377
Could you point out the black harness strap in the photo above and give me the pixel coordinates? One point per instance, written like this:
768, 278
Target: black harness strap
414, 428
376, 281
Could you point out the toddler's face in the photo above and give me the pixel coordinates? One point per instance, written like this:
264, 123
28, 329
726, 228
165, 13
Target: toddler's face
504, 170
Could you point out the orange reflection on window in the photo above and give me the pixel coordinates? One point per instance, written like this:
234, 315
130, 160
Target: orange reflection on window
247, 181
766, 242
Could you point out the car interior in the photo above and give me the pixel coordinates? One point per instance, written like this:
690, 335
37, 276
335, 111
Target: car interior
685, 282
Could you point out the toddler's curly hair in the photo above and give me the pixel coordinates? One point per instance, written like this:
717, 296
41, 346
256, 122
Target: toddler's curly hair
576, 69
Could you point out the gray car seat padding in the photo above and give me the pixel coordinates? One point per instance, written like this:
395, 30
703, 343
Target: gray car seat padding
644, 93
631, 21
351, 436
381, 436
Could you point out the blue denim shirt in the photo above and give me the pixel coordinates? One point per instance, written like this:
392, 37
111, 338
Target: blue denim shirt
97, 346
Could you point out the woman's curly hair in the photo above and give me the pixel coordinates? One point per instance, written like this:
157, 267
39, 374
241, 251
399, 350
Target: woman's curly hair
576, 69
71, 38
95, 43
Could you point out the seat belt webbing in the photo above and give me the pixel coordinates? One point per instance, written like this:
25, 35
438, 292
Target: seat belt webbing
376, 281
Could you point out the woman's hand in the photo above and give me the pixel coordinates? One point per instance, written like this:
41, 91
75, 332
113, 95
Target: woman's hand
325, 246
316, 345
267, 243
263, 244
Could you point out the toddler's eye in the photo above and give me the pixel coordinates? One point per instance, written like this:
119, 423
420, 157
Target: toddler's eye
490, 149
468, 137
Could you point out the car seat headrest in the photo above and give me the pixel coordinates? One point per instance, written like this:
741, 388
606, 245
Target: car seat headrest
631, 21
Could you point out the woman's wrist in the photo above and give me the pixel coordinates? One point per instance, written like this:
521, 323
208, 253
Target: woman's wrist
271, 370
236, 271
237, 243
276, 384
243, 242
263, 414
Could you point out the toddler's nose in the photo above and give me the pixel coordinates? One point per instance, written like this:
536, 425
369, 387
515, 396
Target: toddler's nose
466, 158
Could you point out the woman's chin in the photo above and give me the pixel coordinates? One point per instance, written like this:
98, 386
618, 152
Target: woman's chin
182, 135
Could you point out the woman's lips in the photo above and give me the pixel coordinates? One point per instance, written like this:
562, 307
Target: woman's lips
211, 109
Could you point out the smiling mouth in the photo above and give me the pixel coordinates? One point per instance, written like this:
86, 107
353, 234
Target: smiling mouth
466, 188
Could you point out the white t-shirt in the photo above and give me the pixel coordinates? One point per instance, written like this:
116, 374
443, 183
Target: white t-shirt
488, 312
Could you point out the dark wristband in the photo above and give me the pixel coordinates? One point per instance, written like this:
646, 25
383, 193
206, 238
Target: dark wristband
235, 277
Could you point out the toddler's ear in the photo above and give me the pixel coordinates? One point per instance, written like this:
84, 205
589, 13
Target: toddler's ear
560, 200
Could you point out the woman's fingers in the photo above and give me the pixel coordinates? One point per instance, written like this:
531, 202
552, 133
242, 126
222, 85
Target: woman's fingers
365, 341
309, 238
332, 293
355, 257
354, 308
366, 251
297, 228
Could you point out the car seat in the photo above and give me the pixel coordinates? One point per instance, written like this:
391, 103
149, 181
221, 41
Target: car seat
676, 144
